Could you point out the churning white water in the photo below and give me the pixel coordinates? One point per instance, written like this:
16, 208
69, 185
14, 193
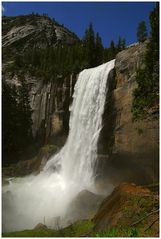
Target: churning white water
40, 199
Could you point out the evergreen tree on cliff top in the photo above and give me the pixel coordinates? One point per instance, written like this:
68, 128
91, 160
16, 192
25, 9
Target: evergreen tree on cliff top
112, 51
89, 46
142, 32
98, 50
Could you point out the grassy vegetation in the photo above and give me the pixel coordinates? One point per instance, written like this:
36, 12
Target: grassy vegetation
82, 229
118, 232
77, 229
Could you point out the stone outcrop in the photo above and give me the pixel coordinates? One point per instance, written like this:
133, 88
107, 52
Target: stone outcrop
130, 148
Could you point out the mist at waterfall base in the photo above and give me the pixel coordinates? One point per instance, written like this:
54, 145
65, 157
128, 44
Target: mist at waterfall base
40, 199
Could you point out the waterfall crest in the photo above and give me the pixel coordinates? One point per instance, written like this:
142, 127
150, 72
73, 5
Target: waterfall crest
48, 194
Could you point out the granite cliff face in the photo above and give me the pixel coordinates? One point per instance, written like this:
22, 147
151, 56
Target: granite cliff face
49, 103
131, 149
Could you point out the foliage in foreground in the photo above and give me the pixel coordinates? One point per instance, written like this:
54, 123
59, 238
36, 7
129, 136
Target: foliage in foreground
75, 230
81, 229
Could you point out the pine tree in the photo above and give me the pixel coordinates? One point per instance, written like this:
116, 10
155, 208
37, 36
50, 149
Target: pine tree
112, 51
98, 50
119, 44
141, 32
89, 46
123, 44
152, 54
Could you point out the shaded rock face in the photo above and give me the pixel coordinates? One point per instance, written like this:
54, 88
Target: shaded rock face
50, 104
130, 149
128, 205
31, 166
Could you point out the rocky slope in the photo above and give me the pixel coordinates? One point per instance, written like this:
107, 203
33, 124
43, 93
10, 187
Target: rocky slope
23, 32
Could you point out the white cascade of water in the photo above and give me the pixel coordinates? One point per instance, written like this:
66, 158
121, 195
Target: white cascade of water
78, 156
31, 199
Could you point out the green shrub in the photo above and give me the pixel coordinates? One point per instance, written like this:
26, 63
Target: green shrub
118, 232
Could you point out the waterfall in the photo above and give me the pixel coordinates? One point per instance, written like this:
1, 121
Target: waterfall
78, 156
28, 200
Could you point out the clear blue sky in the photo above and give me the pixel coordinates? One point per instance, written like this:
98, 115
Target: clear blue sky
110, 19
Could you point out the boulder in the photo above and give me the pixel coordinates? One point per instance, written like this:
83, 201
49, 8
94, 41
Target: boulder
40, 226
